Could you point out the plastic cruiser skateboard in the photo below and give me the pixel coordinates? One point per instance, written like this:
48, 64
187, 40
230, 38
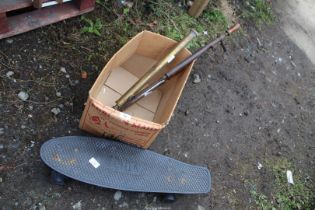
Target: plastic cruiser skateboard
116, 165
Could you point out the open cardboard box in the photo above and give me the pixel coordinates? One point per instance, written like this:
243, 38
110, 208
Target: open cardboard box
142, 122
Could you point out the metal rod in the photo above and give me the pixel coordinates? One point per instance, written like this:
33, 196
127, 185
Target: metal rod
178, 68
141, 83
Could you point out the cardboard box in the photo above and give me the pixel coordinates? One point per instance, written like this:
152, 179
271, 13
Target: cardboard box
141, 123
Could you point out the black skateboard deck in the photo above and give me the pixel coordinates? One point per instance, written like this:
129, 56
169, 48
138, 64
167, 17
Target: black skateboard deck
116, 165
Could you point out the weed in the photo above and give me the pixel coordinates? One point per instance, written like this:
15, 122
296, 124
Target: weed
174, 22
285, 196
260, 199
258, 11
92, 27
164, 17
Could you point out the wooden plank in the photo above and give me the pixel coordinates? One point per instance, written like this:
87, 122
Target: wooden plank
3, 23
84, 4
38, 3
41, 17
9, 5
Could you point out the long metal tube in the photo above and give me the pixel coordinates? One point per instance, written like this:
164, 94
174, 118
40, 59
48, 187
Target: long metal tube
178, 68
140, 84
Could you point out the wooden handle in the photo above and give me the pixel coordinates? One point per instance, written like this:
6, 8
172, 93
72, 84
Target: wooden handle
234, 28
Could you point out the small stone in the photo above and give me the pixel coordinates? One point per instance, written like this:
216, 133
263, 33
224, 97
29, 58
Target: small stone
209, 76
186, 154
14, 145
201, 207
9, 73
30, 116
187, 112
84, 74
67, 76
23, 126
280, 60
1, 180
42, 208
196, 79
1, 131
32, 143
123, 205
259, 166
1, 146
56, 111
117, 195
76, 82
190, 3
58, 94
9, 41
78, 205
259, 42
63, 70
23, 95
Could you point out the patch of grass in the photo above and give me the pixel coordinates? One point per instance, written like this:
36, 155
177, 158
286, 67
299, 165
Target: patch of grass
285, 196
260, 199
164, 17
258, 11
108, 28
93, 27
174, 22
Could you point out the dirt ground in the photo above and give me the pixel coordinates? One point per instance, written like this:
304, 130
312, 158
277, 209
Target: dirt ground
255, 103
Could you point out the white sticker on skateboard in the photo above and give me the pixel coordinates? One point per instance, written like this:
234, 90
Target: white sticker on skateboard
94, 162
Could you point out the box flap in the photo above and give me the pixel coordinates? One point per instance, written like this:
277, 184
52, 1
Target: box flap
107, 96
120, 80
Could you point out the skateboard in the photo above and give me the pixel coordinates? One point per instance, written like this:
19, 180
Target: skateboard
112, 164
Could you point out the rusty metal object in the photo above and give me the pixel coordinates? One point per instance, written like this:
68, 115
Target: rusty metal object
175, 70
141, 83
11, 25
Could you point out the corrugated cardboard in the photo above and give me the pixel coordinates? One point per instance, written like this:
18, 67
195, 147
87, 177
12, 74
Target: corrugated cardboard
142, 122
